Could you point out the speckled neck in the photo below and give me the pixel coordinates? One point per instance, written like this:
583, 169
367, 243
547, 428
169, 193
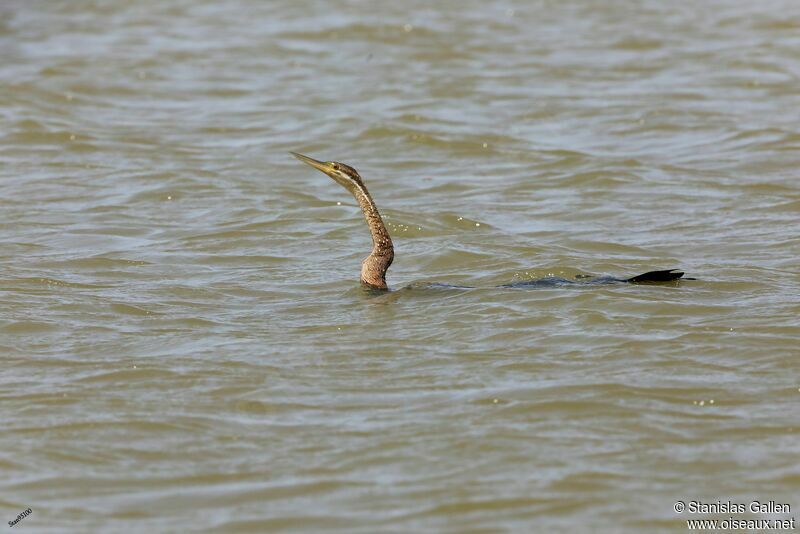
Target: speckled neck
374, 266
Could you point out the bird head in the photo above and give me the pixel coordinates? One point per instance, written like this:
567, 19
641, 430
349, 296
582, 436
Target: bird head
345, 175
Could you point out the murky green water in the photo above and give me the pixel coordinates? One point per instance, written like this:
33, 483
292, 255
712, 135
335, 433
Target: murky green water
183, 340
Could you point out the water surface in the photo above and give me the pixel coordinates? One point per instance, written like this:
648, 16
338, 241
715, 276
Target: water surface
183, 340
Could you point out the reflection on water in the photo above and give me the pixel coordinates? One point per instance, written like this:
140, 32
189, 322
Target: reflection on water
184, 342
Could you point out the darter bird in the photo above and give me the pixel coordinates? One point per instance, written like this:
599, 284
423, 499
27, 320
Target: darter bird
374, 266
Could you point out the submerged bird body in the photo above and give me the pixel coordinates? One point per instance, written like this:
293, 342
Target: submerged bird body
374, 266
650, 277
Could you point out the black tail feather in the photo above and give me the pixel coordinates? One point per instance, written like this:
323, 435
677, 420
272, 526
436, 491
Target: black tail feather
656, 276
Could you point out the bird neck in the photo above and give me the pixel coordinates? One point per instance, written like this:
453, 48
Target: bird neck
374, 266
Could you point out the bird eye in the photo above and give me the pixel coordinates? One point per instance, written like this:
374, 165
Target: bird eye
335, 166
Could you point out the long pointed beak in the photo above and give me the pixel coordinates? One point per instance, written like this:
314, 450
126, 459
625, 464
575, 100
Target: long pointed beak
319, 165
